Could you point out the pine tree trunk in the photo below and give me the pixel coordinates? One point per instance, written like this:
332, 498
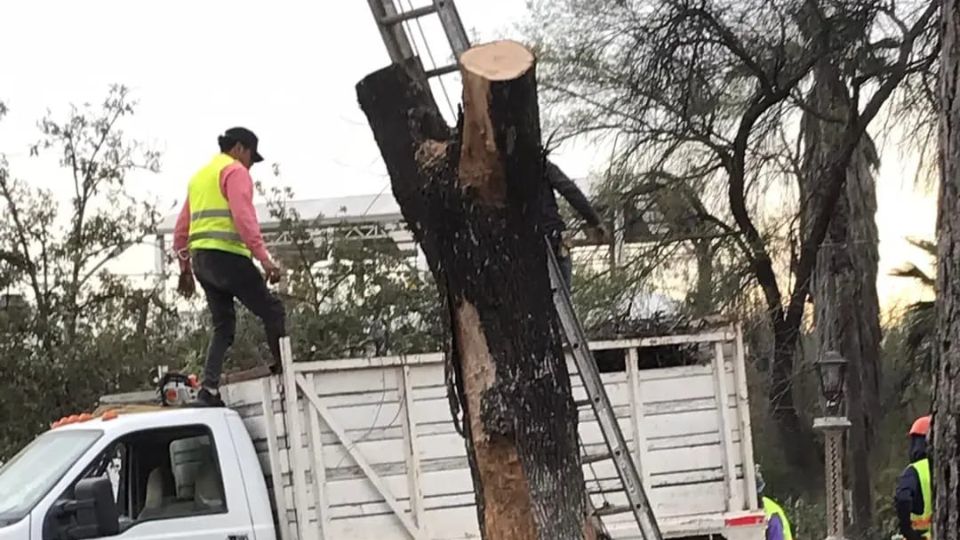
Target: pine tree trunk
843, 288
473, 202
946, 414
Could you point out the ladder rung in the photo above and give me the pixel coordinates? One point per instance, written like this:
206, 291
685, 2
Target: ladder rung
391, 20
583, 403
629, 477
443, 70
611, 510
593, 458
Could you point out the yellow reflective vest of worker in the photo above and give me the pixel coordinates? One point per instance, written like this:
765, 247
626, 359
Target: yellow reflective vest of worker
773, 509
211, 224
921, 523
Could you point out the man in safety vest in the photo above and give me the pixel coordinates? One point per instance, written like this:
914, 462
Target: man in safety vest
913, 499
778, 526
215, 236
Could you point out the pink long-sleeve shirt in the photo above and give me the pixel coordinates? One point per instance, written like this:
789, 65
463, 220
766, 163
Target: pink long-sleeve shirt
237, 187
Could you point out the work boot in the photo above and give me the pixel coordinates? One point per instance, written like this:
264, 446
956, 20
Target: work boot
206, 398
276, 367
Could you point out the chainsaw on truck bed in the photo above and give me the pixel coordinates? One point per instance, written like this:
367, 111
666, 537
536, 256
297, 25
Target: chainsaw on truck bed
174, 389
177, 390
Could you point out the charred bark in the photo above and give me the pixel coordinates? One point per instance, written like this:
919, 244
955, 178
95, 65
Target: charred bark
473, 201
946, 409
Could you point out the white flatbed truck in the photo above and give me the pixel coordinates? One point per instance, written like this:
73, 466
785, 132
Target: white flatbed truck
372, 453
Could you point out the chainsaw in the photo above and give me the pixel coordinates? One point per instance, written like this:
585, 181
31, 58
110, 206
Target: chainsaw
177, 389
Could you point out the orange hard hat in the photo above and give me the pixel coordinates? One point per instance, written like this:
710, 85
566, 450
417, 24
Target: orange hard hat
920, 426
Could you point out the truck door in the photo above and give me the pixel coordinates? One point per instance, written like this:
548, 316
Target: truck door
168, 483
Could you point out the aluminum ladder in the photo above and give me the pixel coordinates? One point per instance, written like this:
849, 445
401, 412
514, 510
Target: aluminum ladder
390, 22
599, 402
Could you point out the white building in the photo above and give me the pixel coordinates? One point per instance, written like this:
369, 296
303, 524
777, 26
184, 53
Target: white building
378, 217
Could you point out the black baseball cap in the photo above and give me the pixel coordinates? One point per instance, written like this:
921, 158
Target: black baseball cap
245, 137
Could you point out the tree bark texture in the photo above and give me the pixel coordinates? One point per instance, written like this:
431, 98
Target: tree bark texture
946, 409
843, 284
473, 202
795, 432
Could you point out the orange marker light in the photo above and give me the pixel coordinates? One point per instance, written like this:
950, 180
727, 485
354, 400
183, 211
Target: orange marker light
110, 415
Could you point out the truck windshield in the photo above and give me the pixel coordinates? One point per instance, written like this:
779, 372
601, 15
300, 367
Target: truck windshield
32, 473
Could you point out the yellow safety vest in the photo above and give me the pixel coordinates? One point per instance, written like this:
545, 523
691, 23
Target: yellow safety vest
211, 224
773, 509
922, 522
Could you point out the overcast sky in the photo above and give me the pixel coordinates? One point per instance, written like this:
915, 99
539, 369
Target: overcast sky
285, 69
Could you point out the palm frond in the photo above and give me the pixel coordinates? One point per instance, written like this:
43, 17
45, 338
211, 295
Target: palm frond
929, 246
920, 323
910, 270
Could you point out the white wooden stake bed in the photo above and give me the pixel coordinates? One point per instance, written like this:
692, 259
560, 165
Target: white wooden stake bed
366, 448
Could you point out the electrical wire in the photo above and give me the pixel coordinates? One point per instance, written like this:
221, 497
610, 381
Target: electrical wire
433, 62
373, 425
376, 198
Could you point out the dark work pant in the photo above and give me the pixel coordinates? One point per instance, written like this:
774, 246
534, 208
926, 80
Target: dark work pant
225, 276
566, 270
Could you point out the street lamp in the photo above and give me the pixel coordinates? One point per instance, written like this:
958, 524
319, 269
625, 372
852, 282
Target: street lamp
832, 371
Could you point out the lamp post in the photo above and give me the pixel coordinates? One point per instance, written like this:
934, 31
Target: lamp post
832, 371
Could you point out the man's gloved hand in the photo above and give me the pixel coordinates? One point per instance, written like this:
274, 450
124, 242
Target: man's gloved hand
598, 234
604, 234
186, 286
273, 272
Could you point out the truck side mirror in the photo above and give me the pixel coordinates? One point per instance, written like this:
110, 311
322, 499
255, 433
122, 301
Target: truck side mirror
93, 510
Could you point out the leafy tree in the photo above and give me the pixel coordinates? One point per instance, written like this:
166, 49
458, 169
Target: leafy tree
70, 330
351, 296
708, 95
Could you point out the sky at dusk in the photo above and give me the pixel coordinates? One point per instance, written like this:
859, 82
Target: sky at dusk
287, 70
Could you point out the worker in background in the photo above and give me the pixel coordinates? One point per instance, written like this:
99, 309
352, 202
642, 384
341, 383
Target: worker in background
553, 225
913, 499
778, 526
215, 236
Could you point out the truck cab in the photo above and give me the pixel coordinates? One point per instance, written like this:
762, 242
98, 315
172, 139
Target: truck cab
164, 473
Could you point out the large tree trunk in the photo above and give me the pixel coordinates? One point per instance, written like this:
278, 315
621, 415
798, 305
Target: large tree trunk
946, 415
796, 434
473, 202
843, 288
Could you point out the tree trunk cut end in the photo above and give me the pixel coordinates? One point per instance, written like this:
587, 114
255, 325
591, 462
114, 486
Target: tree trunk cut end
504, 60
489, 71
